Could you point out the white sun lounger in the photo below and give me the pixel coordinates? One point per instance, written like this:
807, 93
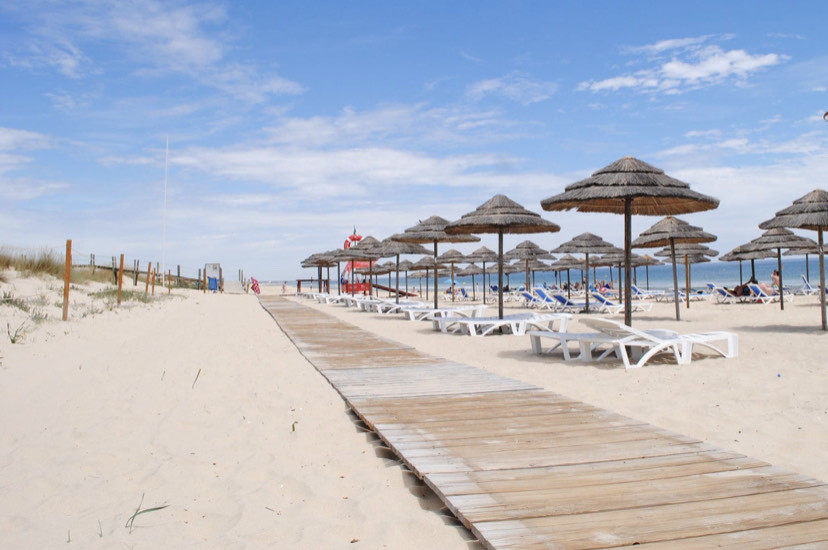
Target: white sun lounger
416, 313
643, 344
517, 323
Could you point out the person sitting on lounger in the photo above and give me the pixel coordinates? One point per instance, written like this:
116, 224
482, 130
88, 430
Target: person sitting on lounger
743, 290
771, 289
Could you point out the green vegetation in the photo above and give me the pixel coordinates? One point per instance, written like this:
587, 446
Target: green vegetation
9, 299
138, 511
43, 262
126, 295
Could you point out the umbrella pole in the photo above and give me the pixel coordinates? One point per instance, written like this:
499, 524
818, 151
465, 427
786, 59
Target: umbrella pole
740, 273
474, 291
352, 278
753, 269
500, 274
627, 261
435, 273
822, 278
338, 280
484, 282
586, 285
568, 286
807, 268
647, 270
452, 281
687, 280
398, 279
779, 268
675, 278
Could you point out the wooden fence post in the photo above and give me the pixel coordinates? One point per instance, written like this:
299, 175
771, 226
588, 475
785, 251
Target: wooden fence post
92, 260
204, 282
120, 279
66, 277
221, 280
169, 281
153, 279
178, 275
149, 271
135, 267
198, 284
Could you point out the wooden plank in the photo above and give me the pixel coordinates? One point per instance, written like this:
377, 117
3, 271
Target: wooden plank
812, 535
590, 473
525, 468
659, 523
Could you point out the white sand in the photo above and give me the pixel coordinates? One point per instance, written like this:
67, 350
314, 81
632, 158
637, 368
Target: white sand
259, 451
255, 451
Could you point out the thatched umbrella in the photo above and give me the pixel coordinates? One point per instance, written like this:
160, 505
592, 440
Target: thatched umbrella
647, 261
471, 270
392, 248
740, 254
527, 251
692, 253
668, 232
483, 255
452, 257
586, 244
428, 263
320, 260
433, 230
616, 259
629, 186
777, 239
565, 263
500, 215
371, 250
808, 212
405, 266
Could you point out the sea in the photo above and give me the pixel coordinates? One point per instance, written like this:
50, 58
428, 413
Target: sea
660, 277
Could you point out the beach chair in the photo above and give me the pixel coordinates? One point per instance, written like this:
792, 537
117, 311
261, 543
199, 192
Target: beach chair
761, 296
807, 288
427, 313
608, 306
517, 323
529, 300
639, 294
648, 344
464, 295
724, 296
567, 305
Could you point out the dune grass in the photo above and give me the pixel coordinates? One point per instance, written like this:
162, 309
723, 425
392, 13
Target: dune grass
43, 262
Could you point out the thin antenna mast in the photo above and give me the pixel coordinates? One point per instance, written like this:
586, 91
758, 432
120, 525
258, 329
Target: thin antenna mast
164, 248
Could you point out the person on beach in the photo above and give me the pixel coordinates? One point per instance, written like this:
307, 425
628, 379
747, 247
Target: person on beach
773, 288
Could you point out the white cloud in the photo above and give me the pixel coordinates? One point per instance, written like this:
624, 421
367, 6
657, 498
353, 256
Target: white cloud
514, 86
691, 66
159, 37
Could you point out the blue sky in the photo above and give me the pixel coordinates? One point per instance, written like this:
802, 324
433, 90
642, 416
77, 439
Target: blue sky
291, 123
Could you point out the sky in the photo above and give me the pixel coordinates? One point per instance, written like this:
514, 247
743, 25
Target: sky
290, 124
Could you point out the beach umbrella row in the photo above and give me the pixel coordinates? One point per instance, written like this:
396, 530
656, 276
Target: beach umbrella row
501, 215
630, 187
808, 212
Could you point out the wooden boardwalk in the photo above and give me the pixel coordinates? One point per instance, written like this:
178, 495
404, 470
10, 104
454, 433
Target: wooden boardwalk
522, 467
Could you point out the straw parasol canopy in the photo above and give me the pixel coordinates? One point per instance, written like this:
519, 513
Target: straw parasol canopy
500, 215
777, 239
527, 251
433, 230
320, 260
693, 253
586, 244
483, 255
667, 232
809, 212
629, 186
565, 263
396, 248
452, 257
471, 270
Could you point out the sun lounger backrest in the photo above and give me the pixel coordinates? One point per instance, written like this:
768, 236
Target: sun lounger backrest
618, 330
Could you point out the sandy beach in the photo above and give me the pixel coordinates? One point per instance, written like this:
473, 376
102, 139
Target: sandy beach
198, 402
